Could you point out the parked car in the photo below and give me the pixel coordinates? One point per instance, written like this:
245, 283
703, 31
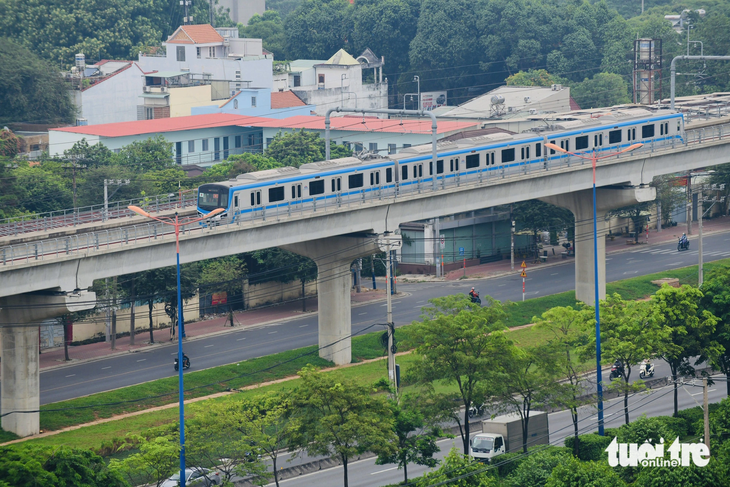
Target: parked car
195, 477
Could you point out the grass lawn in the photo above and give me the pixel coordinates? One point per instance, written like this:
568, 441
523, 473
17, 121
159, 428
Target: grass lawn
263, 369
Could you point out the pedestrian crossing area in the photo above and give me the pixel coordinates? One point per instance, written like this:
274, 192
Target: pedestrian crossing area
674, 251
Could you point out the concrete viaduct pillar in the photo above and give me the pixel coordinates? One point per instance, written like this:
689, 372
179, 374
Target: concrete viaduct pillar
333, 257
580, 203
20, 375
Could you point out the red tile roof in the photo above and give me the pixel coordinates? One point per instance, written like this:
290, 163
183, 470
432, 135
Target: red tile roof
160, 125
357, 124
195, 34
285, 99
574, 104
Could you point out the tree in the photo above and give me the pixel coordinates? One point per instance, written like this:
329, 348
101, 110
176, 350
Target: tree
459, 470
217, 434
533, 77
270, 29
9, 143
638, 214
536, 469
569, 328
529, 381
334, 415
152, 154
32, 91
575, 473
264, 423
691, 328
460, 343
317, 29
603, 90
416, 443
158, 458
716, 300
223, 275
297, 148
629, 334
24, 468
536, 215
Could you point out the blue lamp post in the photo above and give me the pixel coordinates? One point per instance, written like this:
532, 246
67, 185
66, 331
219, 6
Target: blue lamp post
177, 223
595, 158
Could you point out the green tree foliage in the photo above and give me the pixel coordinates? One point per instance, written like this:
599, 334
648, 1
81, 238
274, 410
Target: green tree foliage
629, 334
158, 458
332, 415
536, 469
716, 300
532, 77
32, 91
416, 442
603, 90
317, 29
574, 473
42, 188
153, 154
692, 330
459, 471
536, 215
9, 144
270, 28
461, 344
569, 329
297, 148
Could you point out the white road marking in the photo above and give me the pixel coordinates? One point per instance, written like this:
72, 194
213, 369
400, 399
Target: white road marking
303, 326
207, 346
240, 339
675, 263
631, 272
360, 314
72, 375
107, 367
554, 273
272, 332
382, 471
141, 360
502, 285
422, 301
698, 393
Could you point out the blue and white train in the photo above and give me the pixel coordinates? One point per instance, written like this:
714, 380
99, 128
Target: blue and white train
285, 189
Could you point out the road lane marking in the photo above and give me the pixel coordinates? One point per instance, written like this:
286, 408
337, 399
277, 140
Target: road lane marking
701, 392
383, 471
502, 285
631, 272
360, 314
422, 301
673, 264
107, 367
272, 332
303, 326
141, 360
240, 339
208, 346
554, 273
72, 375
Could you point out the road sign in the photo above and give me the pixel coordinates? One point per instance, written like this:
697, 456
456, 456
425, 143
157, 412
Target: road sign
442, 241
461, 250
524, 274
523, 264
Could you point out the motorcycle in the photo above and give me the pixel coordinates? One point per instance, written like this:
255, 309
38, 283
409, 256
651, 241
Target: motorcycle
475, 298
646, 370
682, 244
617, 370
475, 411
186, 363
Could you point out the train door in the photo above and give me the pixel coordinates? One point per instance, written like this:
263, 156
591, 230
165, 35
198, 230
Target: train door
375, 183
257, 209
336, 185
296, 196
418, 175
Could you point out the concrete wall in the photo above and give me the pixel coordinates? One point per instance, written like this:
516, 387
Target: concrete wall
277, 292
256, 70
365, 96
113, 100
183, 99
242, 10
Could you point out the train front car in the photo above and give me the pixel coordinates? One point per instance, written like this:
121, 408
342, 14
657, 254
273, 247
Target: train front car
211, 197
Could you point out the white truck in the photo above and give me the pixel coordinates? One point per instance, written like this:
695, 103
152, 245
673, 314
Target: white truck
503, 434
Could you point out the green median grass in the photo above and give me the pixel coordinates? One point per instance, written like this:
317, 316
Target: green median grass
269, 368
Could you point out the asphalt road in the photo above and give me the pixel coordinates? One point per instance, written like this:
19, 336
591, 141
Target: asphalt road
119, 371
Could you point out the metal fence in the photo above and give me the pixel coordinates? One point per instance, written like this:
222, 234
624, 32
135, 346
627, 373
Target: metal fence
129, 235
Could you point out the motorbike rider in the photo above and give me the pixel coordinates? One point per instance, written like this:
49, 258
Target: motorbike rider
683, 239
473, 294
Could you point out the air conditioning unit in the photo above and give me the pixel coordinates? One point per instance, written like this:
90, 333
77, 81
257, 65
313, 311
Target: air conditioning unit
533, 111
146, 89
527, 99
164, 89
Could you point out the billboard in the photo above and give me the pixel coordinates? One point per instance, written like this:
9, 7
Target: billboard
432, 99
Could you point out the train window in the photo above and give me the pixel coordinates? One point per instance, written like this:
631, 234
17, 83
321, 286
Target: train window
633, 134
372, 178
420, 170
492, 158
451, 165
472, 161
508, 155
522, 153
316, 187
456, 164
440, 166
527, 151
647, 131
430, 168
355, 181
552, 151
581, 142
404, 173
614, 137
377, 177
336, 184
538, 150
389, 175
235, 201
255, 198
276, 194
415, 171
661, 129
666, 128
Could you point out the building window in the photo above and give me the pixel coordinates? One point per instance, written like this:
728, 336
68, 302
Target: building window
149, 113
269, 140
238, 141
235, 104
181, 53
373, 146
391, 148
225, 147
297, 80
205, 145
217, 148
320, 79
191, 146
358, 146
197, 52
211, 52
117, 151
253, 101
251, 140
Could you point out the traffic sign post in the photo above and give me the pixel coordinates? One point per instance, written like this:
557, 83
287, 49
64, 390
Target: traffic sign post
523, 274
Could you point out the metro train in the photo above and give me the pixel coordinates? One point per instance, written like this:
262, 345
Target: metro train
253, 194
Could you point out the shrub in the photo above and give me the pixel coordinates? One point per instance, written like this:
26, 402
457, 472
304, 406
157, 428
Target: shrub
591, 447
508, 463
574, 473
536, 468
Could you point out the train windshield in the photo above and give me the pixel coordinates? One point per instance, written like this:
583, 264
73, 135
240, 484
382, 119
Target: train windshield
212, 196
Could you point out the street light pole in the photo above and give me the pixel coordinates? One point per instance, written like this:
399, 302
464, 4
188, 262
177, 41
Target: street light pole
387, 243
177, 223
594, 159
417, 79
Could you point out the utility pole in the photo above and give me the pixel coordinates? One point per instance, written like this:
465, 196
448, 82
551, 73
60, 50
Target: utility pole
114, 316
358, 275
512, 240
187, 19
211, 3
700, 213
372, 270
707, 412
387, 242
689, 203
73, 166
131, 316
107, 182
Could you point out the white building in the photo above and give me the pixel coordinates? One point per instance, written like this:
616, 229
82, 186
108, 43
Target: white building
340, 81
108, 91
259, 102
217, 54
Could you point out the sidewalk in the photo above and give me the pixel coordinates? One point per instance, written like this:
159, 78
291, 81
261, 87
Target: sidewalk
272, 314
54, 357
494, 269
